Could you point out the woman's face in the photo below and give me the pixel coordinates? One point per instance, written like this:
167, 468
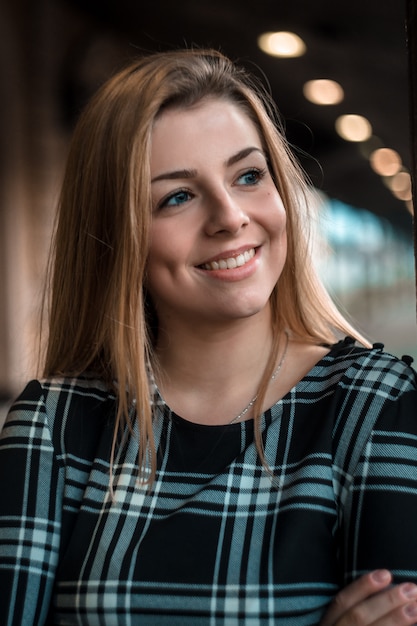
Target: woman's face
218, 241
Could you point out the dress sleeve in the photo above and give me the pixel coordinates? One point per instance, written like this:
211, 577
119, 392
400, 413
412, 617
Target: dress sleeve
30, 512
380, 511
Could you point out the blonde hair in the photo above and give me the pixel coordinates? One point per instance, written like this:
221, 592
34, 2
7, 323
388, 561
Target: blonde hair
100, 318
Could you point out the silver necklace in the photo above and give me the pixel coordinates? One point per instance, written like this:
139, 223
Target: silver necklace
274, 375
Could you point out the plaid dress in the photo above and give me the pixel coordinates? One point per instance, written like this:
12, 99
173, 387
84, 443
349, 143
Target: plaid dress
217, 539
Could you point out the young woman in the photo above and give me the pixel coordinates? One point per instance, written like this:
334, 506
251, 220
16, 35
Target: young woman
205, 446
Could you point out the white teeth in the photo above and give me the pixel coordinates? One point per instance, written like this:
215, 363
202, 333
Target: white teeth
232, 262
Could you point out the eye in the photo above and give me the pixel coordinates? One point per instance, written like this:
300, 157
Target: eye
251, 177
175, 199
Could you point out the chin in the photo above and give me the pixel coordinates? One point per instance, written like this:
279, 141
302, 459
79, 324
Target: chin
248, 310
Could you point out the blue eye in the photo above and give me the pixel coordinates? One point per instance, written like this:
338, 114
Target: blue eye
176, 199
251, 177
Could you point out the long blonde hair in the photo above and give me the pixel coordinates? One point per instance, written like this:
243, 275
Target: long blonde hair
100, 318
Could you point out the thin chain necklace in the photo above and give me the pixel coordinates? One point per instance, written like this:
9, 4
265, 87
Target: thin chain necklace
274, 375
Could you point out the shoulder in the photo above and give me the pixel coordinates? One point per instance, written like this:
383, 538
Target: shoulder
374, 391
61, 392
74, 390
60, 403
371, 369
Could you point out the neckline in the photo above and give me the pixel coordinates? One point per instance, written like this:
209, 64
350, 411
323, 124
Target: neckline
168, 413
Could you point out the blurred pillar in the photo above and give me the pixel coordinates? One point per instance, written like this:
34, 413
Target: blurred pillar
11, 192
29, 169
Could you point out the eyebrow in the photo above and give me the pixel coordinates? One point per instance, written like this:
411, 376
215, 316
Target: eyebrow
187, 173
242, 154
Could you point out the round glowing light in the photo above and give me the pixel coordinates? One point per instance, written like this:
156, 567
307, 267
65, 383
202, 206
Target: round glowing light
353, 127
400, 185
385, 161
323, 91
282, 44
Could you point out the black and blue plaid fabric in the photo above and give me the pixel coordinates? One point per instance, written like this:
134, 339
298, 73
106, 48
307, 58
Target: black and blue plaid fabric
217, 539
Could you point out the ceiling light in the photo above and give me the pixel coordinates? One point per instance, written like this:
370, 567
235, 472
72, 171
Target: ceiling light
385, 161
323, 91
400, 185
282, 44
353, 127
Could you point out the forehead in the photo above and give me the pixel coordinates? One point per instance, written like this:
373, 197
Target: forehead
217, 125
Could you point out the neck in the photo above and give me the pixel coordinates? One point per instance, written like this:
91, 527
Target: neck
214, 359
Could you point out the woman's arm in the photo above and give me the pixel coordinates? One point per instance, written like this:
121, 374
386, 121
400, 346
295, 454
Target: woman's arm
380, 510
30, 512
379, 503
373, 601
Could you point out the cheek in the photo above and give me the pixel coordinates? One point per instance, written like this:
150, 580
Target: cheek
166, 253
279, 237
163, 244
156, 257
278, 219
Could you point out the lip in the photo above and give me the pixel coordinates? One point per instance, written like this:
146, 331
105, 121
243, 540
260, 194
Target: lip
232, 273
228, 254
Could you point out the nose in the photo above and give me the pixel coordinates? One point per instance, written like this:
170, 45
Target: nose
225, 214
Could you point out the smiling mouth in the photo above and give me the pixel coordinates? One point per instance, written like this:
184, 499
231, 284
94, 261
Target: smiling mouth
230, 263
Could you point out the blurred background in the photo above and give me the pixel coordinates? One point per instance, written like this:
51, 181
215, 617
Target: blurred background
338, 72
